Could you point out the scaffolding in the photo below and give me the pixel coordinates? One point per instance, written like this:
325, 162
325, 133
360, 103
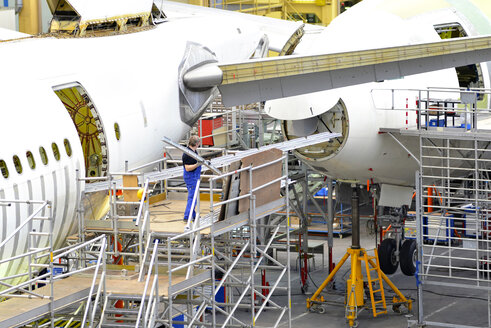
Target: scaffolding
47, 287
452, 194
183, 272
122, 271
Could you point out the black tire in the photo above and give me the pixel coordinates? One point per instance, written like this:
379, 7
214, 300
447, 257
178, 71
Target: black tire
387, 256
408, 256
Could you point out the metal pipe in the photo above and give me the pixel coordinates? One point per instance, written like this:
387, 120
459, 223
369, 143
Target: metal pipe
330, 222
355, 219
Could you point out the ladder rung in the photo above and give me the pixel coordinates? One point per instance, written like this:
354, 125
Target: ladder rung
127, 217
378, 302
123, 202
37, 233
41, 218
38, 265
39, 249
128, 188
377, 291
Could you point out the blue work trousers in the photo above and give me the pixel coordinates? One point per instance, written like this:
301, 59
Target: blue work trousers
191, 178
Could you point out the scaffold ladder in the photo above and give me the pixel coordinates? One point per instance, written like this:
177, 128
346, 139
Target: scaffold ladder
375, 285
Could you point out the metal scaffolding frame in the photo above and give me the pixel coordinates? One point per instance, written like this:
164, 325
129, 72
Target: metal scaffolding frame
453, 199
38, 283
453, 154
204, 276
227, 250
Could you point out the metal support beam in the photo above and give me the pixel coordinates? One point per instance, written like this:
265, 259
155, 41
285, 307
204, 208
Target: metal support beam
355, 218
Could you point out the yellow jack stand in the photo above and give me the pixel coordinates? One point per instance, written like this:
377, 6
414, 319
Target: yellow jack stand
355, 289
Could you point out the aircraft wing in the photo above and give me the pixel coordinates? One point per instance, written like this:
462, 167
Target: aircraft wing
278, 77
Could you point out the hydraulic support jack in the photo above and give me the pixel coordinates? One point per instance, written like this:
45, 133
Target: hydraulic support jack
355, 287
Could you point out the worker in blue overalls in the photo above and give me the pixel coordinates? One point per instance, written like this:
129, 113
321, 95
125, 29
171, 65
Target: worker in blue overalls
192, 172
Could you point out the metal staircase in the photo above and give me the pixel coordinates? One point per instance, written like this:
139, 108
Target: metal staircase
120, 315
204, 275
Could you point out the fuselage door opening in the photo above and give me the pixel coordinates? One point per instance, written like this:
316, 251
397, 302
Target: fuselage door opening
469, 76
89, 127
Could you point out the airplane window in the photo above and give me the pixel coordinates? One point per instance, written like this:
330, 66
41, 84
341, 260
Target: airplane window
117, 131
68, 148
17, 164
56, 151
4, 169
44, 157
30, 160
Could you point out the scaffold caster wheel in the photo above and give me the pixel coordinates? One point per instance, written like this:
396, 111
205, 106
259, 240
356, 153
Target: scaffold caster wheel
397, 308
353, 323
318, 309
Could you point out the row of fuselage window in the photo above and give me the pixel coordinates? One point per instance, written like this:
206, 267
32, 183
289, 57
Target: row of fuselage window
32, 161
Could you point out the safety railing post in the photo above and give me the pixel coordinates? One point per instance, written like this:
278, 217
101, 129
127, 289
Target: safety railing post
288, 264
50, 240
252, 225
169, 268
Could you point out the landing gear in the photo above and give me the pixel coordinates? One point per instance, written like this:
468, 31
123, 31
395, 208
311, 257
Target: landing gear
375, 277
387, 256
408, 256
393, 252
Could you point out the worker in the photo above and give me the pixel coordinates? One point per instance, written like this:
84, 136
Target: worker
192, 172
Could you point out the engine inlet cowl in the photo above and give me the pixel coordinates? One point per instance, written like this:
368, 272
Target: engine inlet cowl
195, 95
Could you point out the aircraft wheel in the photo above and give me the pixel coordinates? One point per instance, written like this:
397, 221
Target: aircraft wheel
408, 257
387, 256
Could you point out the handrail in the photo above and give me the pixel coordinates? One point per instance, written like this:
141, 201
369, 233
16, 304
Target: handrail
26, 221
18, 201
147, 164
72, 249
141, 249
142, 202
152, 302
193, 204
96, 301
94, 279
40, 250
142, 268
25, 283
183, 266
147, 282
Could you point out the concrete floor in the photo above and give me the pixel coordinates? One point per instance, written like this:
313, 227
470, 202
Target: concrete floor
464, 307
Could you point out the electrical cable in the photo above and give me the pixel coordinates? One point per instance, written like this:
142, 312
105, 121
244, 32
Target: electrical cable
447, 295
